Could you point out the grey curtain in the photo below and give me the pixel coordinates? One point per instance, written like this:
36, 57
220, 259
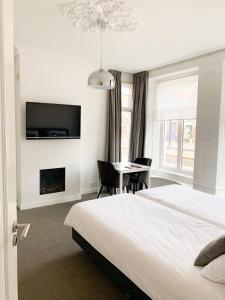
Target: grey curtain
137, 139
114, 120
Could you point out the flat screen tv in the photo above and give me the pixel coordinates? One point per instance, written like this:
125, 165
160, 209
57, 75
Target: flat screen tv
52, 121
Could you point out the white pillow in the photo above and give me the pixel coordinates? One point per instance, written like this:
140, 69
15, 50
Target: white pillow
215, 270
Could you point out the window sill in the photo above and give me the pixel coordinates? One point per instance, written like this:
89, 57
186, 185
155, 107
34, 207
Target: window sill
170, 175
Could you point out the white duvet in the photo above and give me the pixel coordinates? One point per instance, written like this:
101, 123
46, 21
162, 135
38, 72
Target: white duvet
207, 207
153, 245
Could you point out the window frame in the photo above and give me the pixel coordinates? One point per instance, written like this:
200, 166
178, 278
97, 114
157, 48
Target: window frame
180, 139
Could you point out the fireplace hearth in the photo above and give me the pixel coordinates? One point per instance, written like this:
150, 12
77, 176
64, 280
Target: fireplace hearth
52, 181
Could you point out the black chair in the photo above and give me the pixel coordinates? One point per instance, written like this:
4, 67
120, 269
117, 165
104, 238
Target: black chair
110, 178
140, 178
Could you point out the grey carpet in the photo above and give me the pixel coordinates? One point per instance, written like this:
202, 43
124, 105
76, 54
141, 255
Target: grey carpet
52, 266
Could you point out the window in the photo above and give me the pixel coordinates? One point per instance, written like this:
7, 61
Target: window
126, 115
178, 145
188, 145
170, 144
176, 102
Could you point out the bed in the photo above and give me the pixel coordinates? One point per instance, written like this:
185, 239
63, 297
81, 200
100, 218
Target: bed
182, 198
152, 245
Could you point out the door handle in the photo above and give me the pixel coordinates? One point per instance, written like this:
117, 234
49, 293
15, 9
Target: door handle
24, 227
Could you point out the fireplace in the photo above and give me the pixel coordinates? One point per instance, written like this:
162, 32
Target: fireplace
52, 181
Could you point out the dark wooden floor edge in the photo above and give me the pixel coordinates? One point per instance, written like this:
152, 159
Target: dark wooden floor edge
127, 286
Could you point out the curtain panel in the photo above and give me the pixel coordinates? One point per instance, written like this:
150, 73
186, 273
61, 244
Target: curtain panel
114, 120
137, 138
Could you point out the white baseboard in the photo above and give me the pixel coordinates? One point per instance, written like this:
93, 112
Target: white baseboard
47, 202
89, 190
220, 191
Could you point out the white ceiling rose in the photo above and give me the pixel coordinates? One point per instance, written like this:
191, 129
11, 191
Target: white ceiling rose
99, 15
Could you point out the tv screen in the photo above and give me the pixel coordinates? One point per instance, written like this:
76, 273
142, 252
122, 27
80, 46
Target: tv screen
52, 121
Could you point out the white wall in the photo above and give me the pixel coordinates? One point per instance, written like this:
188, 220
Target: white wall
209, 171
58, 81
220, 184
93, 127
208, 127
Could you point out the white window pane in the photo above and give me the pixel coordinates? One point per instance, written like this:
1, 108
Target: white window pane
125, 135
127, 89
127, 100
171, 144
188, 153
127, 103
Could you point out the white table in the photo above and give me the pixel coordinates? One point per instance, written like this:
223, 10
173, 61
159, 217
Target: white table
126, 168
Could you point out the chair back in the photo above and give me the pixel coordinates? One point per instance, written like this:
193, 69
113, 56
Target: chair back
143, 176
107, 173
143, 161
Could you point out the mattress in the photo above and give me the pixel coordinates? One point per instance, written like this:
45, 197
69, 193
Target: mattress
207, 207
153, 245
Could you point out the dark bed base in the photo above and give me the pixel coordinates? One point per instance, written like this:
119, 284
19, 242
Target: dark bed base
127, 286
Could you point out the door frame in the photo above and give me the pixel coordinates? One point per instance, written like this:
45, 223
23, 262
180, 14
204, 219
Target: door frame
8, 253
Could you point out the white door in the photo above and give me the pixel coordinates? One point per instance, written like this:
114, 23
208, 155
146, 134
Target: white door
8, 252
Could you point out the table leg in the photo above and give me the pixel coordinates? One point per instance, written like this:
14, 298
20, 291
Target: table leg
98, 185
149, 178
121, 183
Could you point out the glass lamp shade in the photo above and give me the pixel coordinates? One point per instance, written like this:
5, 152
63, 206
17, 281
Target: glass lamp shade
101, 80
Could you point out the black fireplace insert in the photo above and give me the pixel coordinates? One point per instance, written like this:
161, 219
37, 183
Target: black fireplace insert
52, 181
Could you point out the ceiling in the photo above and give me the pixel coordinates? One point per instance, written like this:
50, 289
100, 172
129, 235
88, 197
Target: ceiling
168, 30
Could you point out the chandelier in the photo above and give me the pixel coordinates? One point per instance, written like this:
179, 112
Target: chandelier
100, 16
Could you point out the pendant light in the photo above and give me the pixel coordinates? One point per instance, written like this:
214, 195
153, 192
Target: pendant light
101, 79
